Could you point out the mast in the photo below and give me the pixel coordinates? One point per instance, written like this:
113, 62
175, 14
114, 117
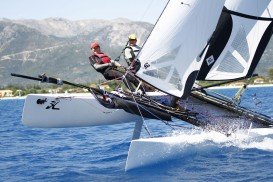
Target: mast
172, 55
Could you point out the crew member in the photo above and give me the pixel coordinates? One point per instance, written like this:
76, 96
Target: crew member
131, 52
103, 63
109, 68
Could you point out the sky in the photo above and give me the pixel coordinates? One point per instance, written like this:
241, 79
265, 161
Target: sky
137, 10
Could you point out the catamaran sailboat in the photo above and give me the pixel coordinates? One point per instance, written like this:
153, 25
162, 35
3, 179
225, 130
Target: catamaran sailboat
192, 40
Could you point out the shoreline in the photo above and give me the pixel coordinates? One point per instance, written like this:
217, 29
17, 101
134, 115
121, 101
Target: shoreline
13, 98
249, 86
212, 88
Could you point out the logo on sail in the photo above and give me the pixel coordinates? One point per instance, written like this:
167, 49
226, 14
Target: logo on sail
146, 65
210, 60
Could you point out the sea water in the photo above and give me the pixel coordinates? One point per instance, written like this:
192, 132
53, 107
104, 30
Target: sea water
99, 153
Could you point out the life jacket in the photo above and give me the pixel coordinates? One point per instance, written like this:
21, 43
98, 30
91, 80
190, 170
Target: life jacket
134, 50
95, 59
103, 57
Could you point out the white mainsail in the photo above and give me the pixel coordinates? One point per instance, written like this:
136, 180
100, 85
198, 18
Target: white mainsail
250, 24
170, 58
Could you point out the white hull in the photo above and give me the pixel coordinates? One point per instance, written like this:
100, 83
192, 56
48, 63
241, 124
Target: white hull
75, 110
144, 152
71, 110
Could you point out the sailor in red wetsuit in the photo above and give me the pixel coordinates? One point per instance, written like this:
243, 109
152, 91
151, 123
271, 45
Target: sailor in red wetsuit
111, 69
103, 63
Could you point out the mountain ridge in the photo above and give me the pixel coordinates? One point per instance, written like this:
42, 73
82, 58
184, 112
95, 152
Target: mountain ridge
30, 47
60, 47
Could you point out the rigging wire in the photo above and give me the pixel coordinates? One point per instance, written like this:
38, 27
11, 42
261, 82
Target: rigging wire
251, 45
146, 10
144, 123
167, 123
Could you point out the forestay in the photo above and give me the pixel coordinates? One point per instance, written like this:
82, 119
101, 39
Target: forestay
172, 55
242, 34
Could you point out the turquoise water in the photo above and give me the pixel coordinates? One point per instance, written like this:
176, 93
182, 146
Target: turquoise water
99, 153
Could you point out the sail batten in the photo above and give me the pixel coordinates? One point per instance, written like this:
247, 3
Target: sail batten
170, 57
248, 16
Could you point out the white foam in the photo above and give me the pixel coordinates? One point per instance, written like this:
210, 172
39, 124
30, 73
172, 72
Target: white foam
265, 144
257, 138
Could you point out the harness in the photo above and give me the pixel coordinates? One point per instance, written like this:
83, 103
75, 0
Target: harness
134, 52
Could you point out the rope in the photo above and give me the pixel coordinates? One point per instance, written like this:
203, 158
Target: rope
94, 106
257, 102
138, 106
167, 123
223, 96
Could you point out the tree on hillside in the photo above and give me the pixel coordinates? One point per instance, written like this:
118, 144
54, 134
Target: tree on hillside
270, 73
